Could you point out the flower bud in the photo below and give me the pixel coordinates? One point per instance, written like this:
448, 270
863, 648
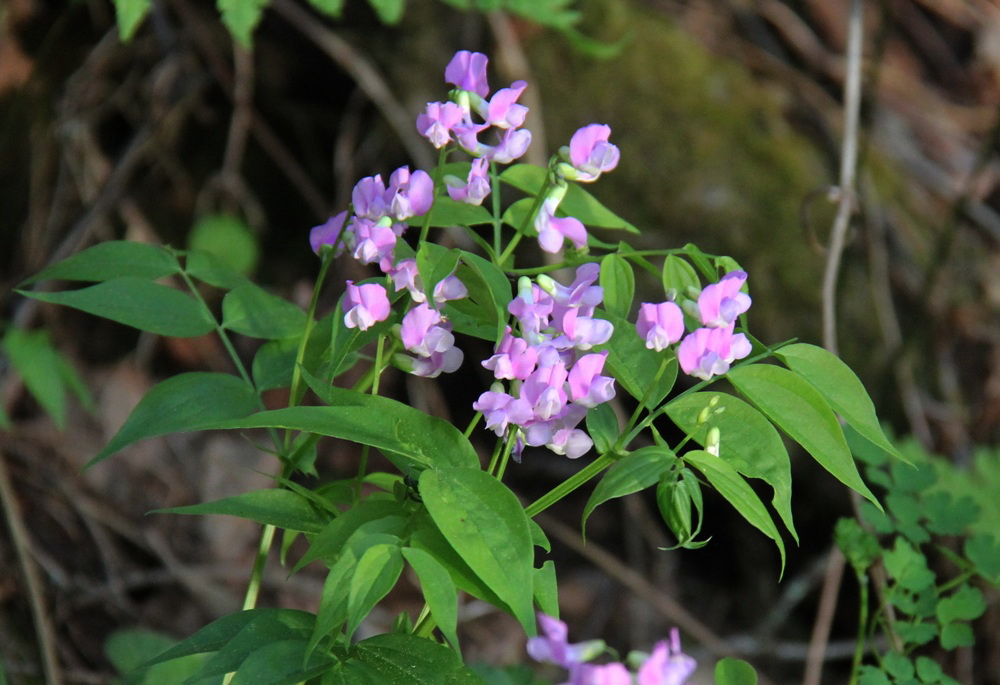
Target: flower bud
712, 441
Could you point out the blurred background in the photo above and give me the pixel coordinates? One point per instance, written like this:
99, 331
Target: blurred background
729, 118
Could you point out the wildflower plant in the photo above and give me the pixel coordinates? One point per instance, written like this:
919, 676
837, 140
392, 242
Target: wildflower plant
568, 339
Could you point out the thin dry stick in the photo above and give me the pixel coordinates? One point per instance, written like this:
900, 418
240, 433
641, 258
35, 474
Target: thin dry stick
364, 74
36, 593
845, 207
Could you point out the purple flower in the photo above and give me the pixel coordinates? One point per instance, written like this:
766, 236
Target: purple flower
501, 409
327, 233
476, 187
586, 386
553, 230
409, 194
606, 674
554, 647
590, 153
368, 198
572, 442
438, 362
424, 332
708, 352
720, 303
467, 71
513, 143
544, 390
667, 665
514, 358
374, 242
364, 305
503, 110
532, 307
405, 275
660, 325
439, 120
582, 332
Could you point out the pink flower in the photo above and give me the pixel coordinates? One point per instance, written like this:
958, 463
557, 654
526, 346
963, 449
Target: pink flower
327, 233
720, 303
467, 71
554, 647
438, 121
586, 386
553, 230
374, 242
424, 332
590, 153
708, 352
476, 187
501, 409
606, 674
660, 325
503, 110
667, 665
364, 305
409, 194
514, 358
438, 362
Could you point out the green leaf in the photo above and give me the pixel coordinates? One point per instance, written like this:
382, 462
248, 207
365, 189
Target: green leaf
618, 282
484, 522
632, 473
190, 401
380, 422
434, 263
678, 276
388, 11
870, 675
263, 630
394, 659
966, 604
138, 303
956, 635
701, 261
130, 14
983, 550
438, 590
274, 363
38, 364
219, 633
447, 212
112, 259
947, 515
898, 666
635, 366
282, 662
331, 8
374, 515
254, 312
332, 612
860, 547
281, 508
211, 269
602, 426
128, 650
908, 567
484, 312
578, 202
841, 387
747, 441
547, 589
679, 501
730, 671
799, 410
227, 238
241, 18
377, 571
916, 633
730, 484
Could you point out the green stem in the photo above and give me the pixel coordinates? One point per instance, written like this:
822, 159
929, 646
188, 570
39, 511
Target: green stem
859, 649
570, 484
642, 404
495, 458
472, 424
442, 157
508, 447
300, 355
363, 465
539, 199
497, 223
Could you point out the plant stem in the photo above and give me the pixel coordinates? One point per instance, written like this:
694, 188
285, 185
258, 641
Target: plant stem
497, 223
472, 424
539, 199
570, 484
645, 398
859, 648
508, 446
425, 229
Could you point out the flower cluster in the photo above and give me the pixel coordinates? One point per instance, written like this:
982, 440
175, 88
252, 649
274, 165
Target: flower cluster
379, 220
667, 665
588, 155
442, 122
707, 351
554, 378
